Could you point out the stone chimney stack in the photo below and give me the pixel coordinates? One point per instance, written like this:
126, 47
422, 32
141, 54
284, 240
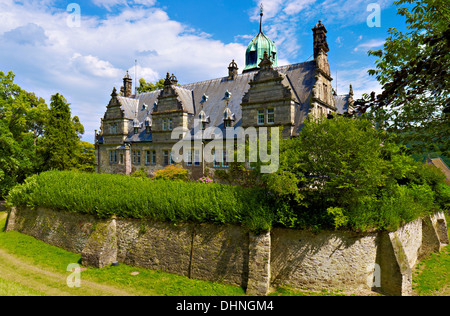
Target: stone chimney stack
127, 85
320, 39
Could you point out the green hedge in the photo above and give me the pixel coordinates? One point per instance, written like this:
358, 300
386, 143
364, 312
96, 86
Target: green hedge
104, 195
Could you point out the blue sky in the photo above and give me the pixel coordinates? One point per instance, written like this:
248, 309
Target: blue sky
196, 40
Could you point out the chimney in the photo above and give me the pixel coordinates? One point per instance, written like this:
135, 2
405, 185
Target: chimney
320, 39
127, 85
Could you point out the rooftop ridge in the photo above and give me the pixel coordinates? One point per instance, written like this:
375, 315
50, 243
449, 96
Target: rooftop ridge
285, 67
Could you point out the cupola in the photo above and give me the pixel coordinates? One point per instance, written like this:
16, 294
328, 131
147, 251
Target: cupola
255, 50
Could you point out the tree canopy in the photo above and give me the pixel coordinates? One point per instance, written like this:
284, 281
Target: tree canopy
413, 69
35, 138
149, 86
344, 172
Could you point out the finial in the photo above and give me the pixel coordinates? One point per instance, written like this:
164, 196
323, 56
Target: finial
114, 92
261, 14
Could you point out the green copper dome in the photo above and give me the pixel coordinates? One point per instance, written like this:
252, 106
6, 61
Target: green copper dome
256, 48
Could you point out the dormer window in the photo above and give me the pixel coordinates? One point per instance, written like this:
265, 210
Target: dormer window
227, 95
204, 120
148, 125
228, 118
204, 98
136, 125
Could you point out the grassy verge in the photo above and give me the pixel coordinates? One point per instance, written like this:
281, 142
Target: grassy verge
432, 276
31, 267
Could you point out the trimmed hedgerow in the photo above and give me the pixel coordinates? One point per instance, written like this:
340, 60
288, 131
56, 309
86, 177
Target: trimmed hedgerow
105, 195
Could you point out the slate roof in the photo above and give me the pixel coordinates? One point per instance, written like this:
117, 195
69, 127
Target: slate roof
341, 103
299, 77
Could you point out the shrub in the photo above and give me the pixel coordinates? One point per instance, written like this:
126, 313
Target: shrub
104, 195
205, 180
140, 174
172, 172
343, 173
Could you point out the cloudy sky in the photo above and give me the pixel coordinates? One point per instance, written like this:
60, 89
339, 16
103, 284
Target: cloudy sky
82, 49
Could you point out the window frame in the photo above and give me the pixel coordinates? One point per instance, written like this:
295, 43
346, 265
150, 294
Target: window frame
271, 115
197, 161
225, 163
189, 158
166, 157
260, 114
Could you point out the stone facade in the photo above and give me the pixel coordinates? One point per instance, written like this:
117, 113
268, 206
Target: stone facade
333, 260
137, 130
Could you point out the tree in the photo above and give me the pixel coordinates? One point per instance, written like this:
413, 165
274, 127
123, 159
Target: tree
86, 157
413, 68
61, 145
149, 86
22, 119
344, 172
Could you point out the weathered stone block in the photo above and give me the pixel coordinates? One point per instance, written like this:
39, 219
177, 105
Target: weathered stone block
101, 248
259, 264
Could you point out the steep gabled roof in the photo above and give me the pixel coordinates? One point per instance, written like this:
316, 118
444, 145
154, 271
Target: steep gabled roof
209, 96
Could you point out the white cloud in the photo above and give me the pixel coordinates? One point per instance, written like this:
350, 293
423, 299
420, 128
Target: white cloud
30, 34
373, 43
359, 79
91, 65
296, 6
84, 63
283, 19
109, 4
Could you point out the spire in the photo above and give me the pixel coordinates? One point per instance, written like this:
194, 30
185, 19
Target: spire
256, 48
261, 14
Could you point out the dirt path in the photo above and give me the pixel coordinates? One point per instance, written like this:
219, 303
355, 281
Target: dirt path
47, 282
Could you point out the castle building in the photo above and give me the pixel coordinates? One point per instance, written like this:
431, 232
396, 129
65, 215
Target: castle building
136, 130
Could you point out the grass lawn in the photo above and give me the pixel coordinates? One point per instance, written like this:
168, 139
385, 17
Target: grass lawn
432, 276
29, 267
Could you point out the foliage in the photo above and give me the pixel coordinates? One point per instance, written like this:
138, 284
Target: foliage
171, 172
104, 195
149, 86
140, 174
413, 68
21, 124
344, 173
61, 143
15, 164
34, 137
86, 157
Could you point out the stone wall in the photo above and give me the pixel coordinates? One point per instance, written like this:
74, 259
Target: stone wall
229, 254
330, 260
